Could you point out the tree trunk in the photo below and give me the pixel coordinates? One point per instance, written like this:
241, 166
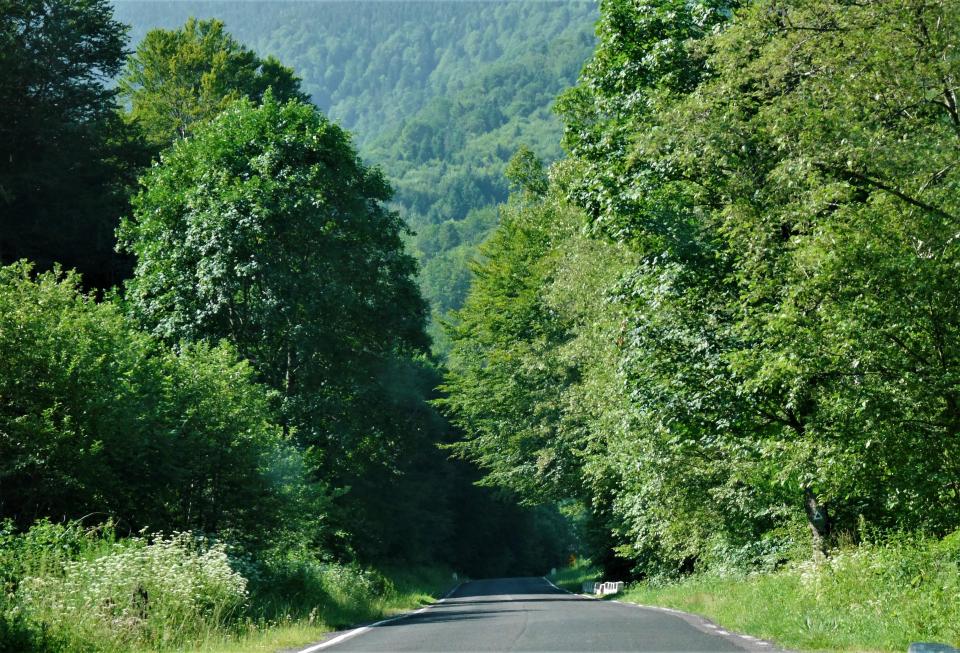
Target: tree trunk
819, 520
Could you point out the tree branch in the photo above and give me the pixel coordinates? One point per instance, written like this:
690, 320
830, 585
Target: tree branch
858, 179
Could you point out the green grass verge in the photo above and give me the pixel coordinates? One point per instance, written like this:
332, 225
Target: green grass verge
572, 578
68, 589
413, 588
866, 598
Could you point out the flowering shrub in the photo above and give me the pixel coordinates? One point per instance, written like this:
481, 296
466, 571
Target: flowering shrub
150, 592
69, 588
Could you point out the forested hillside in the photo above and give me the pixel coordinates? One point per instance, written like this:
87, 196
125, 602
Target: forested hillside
439, 94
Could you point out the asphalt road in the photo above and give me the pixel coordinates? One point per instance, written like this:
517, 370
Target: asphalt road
528, 614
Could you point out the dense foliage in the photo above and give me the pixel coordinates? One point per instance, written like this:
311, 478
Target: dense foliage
265, 229
178, 78
262, 380
66, 159
98, 418
725, 328
782, 339
437, 93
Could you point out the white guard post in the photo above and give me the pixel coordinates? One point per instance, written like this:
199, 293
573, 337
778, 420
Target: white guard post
607, 588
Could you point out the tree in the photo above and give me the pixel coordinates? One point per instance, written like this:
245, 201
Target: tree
525, 172
97, 417
178, 78
841, 210
793, 313
265, 229
65, 159
532, 376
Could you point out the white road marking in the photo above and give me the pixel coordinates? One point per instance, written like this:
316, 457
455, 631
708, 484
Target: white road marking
714, 627
586, 596
357, 631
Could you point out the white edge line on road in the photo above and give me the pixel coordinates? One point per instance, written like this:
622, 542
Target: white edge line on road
356, 631
685, 615
586, 596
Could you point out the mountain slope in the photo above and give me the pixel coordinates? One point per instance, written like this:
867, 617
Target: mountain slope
440, 94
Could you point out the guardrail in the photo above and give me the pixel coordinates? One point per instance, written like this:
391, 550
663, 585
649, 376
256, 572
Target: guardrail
603, 589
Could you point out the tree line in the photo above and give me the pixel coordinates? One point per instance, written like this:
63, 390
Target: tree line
727, 325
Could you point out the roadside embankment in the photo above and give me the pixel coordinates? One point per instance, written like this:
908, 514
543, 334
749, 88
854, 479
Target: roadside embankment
864, 598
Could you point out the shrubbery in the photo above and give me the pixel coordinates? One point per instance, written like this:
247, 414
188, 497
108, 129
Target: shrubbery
157, 592
70, 588
98, 417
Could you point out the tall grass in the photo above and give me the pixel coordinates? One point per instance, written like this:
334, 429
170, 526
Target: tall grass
66, 588
871, 597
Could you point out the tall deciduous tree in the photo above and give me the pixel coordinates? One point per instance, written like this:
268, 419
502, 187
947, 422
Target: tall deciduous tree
266, 229
180, 77
63, 178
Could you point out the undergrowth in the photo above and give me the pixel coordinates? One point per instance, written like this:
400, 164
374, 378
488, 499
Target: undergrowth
871, 597
573, 577
67, 588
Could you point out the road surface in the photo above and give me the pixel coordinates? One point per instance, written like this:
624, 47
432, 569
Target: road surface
528, 614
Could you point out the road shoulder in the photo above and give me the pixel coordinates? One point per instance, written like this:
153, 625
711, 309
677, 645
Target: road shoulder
338, 636
746, 642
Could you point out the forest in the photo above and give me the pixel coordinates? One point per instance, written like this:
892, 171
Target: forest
214, 353
308, 306
438, 94
728, 323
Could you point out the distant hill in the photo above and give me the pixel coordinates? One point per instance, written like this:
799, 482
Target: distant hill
440, 94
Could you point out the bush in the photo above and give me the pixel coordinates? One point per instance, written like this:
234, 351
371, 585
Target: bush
99, 417
155, 593
298, 585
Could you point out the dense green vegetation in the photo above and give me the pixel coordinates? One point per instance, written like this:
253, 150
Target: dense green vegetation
179, 78
236, 436
86, 589
865, 598
437, 93
754, 345
716, 348
66, 158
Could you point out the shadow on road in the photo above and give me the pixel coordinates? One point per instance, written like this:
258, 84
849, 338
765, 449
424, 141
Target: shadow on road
439, 615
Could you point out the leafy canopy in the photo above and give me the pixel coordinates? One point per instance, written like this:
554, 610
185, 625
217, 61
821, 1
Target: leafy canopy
265, 229
64, 154
177, 78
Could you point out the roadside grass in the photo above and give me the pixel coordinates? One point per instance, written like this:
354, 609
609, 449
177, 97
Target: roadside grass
409, 588
70, 589
865, 598
412, 588
572, 578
